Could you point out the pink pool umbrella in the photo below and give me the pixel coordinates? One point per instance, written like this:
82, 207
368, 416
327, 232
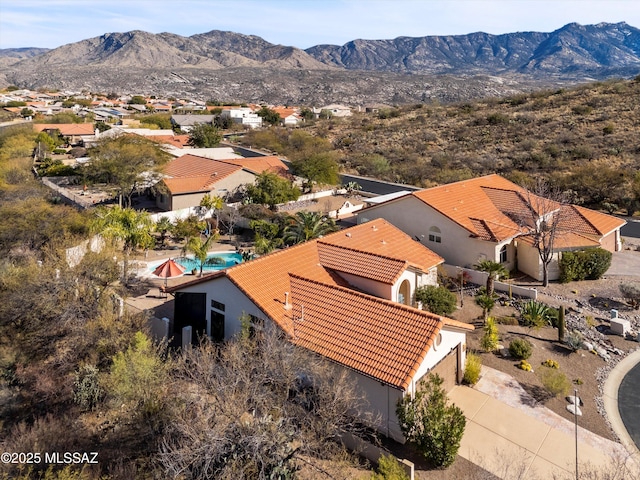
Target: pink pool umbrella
169, 269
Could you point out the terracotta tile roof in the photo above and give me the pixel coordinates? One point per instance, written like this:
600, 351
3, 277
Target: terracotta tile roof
589, 221
361, 264
179, 141
385, 240
492, 208
190, 173
67, 128
377, 337
388, 341
284, 112
258, 165
567, 241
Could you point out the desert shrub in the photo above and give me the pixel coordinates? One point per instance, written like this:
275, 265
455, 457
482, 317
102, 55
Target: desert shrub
534, 314
584, 265
555, 381
472, 369
86, 387
389, 468
489, 341
438, 300
574, 340
551, 363
511, 320
520, 348
631, 293
581, 109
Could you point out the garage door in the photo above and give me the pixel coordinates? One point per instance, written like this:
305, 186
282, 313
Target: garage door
447, 368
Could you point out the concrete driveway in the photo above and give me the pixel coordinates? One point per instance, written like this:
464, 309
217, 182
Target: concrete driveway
625, 262
511, 436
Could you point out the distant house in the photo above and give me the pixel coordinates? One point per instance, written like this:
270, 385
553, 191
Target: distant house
335, 110
190, 177
477, 219
289, 117
78, 133
346, 297
187, 122
242, 115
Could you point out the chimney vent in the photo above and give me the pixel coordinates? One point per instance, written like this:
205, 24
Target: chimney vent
287, 305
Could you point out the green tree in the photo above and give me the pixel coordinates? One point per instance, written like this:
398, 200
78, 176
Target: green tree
204, 135
318, 168
267, 238
304, 226
494, 270
161, 120
188, 227
428, 421
125, 225
26, 112
486, 302
270, 189
128, 162
269, 116
435, 299
200, 250
137, 100
163, 227
214, 204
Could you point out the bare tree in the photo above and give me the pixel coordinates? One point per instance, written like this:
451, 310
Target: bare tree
542, 219
256, 407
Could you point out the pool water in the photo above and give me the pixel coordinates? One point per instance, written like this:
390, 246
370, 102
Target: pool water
230, 259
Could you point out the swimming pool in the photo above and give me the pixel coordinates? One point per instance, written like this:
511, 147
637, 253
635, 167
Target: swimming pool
230, 259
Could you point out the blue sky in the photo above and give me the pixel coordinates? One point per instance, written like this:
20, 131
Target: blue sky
300, 23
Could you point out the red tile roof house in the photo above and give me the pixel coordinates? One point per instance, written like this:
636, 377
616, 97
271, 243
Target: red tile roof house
77, 132
474, 219
347, 297
189, 178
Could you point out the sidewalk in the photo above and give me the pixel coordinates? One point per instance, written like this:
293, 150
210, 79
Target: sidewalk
512, 437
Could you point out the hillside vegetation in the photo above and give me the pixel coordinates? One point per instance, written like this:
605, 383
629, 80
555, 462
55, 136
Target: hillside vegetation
584, 139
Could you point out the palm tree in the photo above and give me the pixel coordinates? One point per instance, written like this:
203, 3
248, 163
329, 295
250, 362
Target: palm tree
305, 226
200, 250
125, 225
494, 270
163, 227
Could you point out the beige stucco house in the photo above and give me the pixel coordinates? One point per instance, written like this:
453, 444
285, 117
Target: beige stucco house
347, 297
190, 177
482, 218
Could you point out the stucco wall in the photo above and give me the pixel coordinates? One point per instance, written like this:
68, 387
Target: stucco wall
236, 303
382, 400
416, 218
220, 188
449, 341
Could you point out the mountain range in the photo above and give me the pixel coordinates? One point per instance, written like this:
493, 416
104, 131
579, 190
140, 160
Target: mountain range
232, 66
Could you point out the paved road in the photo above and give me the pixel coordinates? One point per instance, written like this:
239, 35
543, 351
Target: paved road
629, 403
631, 229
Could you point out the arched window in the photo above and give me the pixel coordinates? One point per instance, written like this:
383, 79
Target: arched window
434, 235
503, 254
404, 295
